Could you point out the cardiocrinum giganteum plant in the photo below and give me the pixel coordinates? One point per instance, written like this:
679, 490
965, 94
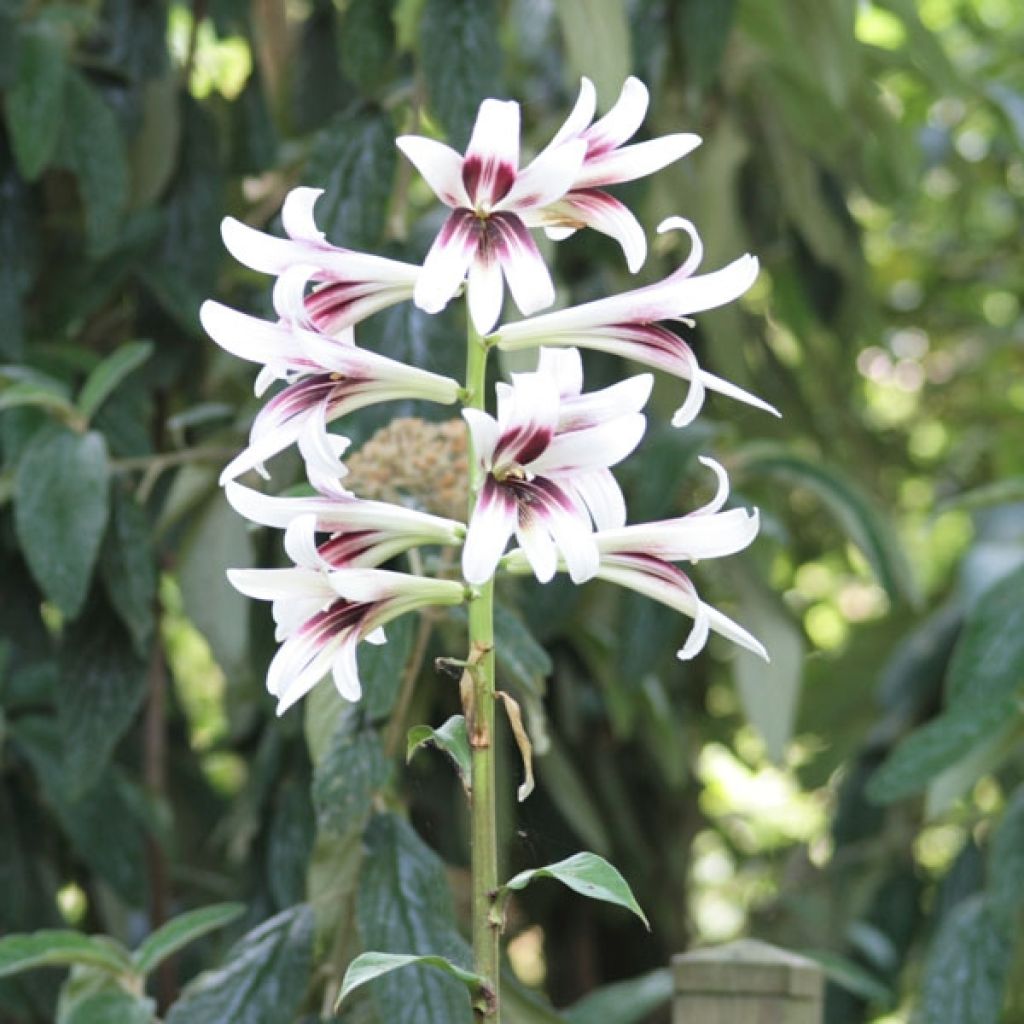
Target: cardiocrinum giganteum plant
539, 464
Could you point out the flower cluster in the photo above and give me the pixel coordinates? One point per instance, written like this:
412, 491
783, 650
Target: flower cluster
542, 463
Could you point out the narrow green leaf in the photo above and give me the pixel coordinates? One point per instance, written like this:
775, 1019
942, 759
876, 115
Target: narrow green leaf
1006, 860
625, 1002
370, 966
452, 738
263, 978
460, 58
26, 393
179, 932
35, 103
588, 874
109, 374
61, 504
61, 949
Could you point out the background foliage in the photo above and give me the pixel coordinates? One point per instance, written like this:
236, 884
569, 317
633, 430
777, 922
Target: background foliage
861, 799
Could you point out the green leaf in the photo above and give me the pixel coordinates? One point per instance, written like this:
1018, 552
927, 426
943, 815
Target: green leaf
262, 979
597, 46
703, 31
110, 373
460, 59
521, 661
153, 151
352, 769
109, 1006
102, 685
354, 160
452, 738
35, 103
61, 504
29, 393
404, 906
128, 568
382, 666
585, 873
61, 949
625, 1002
850, 975
966, 968
370, 966
864, 524
1006, 861
93, 149
178, 933
367, 44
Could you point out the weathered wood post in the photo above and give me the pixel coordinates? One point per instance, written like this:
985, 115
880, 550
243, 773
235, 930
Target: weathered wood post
746, 982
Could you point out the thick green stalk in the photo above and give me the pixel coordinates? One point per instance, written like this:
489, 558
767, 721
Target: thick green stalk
478, 696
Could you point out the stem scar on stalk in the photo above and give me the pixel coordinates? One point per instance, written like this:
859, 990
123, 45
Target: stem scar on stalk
479, 735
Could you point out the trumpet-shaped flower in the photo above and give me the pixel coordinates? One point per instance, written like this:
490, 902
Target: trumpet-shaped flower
607, 162
640, 558
627, 324
328, 378
546, 460
322, 616
485, 235
348, 286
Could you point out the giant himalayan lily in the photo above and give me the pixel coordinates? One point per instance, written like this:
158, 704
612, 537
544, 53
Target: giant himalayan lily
627, 324
322, 615
484, 234
328, 378
348, 286
640, 558
546, 460
609, 162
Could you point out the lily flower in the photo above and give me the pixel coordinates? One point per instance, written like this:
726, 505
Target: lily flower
322, 617
348, 286
485, 234
627, 324
608, 162
328, 378
640, 558
546, 459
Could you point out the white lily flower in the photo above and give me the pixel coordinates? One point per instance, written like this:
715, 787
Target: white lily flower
546, 458
485, 235
640, 558
322, 617
347, 286
627, 324
328, 378
609, 162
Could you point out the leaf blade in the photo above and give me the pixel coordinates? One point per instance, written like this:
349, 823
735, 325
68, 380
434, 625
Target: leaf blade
179, 932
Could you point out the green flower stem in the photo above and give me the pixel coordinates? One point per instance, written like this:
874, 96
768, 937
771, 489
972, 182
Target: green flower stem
478, 697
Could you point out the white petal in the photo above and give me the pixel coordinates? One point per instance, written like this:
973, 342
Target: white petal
492, 156
345, 670
447, 262
299, 665
536, 542
300, 542
297, 215
631, 162
603, 497
484, 432
256, 249
692, 261
321, 451
575, 540
698, 635
490, 527
274, 584
598, 210
593, 448
524, 267
689, 538
722, 489
372, 586
484, 292
557, 233
546, 178
623, 119
376, 637
591, 410
565, 366
249, 337
290, 293
267, 376
440, 166
730, 390
733, 631
581, 116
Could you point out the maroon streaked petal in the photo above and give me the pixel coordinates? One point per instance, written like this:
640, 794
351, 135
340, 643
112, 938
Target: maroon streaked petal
523, 266
492, 523
448, 260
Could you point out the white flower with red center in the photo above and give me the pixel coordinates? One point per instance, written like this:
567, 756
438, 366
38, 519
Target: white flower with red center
322, 616
640, 558
347, 286
546, 459
627, 324
609, 162
485, 235
328, 378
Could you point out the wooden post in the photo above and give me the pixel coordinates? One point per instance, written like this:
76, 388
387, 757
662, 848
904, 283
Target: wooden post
746, 982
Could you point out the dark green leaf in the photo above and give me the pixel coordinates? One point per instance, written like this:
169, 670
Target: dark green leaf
382, 666
61, 949
262, 980
354, 160
461, 61
153, 153
128, 569
966, 968
60, 512
625, 1002
290, 843
109, 1006
404, 906
1006, 860
103, 682
110, 373
35, 103
521, 661
587, 874
178, 933
451, 738
369, 966
703, 31
367, 43
598, 47
93, 149
18, 250
352, 769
